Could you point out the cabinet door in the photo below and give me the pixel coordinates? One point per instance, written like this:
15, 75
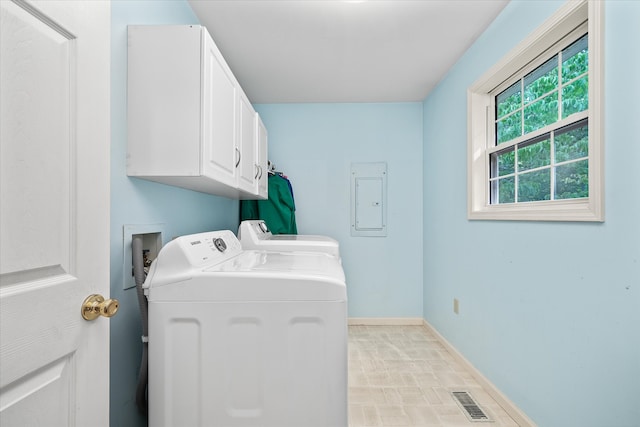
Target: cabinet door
261, 157
247, 171
220, 155
164, 101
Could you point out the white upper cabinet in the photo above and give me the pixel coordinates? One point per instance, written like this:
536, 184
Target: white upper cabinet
189, 122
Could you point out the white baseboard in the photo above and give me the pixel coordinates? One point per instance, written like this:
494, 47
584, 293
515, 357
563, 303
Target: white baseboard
510, 408
386, 321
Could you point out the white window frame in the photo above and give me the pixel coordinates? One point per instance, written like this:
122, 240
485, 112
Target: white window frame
481, 127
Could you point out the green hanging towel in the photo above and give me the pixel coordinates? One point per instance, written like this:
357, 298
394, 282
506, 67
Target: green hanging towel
278, 211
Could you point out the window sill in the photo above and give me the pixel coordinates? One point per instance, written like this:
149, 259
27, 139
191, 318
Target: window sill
580, 210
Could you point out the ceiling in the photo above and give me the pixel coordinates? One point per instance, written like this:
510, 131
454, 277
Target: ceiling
343, 51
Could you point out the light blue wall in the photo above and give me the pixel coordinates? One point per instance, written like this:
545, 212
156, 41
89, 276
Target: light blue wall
558, 331
315, 144
135, 201
549, 312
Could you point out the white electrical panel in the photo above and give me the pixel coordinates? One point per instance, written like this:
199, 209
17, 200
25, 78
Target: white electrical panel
369, 199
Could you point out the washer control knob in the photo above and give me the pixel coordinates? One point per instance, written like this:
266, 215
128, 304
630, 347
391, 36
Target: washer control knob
220, 244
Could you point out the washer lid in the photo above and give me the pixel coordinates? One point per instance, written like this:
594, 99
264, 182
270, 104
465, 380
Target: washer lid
258, 276
259, 262
199, 268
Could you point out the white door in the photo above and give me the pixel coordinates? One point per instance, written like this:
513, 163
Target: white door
247, 175
54, 212
221, 156
261, 158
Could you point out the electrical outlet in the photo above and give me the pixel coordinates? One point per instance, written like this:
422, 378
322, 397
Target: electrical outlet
151, 245
456, 306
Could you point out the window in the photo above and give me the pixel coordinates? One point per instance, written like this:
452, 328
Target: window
535, 125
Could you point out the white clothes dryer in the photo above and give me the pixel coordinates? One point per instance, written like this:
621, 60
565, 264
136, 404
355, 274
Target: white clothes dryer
254, 234
245, 338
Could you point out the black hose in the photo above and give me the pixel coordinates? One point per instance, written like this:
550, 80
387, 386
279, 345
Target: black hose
139, 275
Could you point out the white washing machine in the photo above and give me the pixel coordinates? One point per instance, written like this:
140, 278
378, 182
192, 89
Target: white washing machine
254, 234
245, 338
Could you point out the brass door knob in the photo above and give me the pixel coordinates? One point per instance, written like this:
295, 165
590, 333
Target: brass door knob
95, 306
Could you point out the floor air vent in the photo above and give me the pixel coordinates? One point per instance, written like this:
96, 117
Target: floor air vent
470, 407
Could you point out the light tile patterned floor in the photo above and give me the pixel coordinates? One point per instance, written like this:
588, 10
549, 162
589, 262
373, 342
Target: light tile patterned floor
403, 376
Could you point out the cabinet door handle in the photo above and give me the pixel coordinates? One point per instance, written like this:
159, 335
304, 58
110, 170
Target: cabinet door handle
257, 176
261, 171
239, 157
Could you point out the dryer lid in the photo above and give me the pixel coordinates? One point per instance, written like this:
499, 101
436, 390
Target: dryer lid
254, 234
